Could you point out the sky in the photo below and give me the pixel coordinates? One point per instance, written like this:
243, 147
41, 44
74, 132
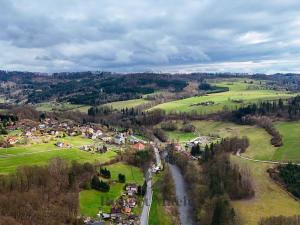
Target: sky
251, 36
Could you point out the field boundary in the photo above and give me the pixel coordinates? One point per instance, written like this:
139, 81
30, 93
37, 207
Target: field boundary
238, 154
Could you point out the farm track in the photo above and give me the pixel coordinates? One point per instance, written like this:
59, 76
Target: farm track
238, 154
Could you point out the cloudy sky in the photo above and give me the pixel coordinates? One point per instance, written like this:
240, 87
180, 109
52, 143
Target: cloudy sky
142, 35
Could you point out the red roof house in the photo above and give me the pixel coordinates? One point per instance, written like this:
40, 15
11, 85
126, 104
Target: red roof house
139, 146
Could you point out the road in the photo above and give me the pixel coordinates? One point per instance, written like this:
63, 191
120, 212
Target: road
144, 220
147, 199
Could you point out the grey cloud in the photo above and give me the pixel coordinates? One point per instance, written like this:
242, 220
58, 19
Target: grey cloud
137, 35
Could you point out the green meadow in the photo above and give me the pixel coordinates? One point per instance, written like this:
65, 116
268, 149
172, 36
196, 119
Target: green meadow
270, 199
180, 136
41, 153
129, 103
91, 201
239, 94
260, 146
290, 151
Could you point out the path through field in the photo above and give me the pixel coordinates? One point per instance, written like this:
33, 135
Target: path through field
238, 154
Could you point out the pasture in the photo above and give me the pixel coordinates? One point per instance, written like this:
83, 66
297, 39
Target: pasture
260, 146
239, 94
269, 200
40, 154
91, 201
60, 106
127, 104
290, 151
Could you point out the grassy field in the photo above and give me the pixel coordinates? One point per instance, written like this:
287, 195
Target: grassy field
40, 154
158, 214
129, 103
238, 90
290, 151
269, 200
260, 147
181, 136
64, 106
91, 201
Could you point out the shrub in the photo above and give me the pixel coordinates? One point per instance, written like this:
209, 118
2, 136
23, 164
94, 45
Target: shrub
188, 128
122, 178
169, 126
160, 134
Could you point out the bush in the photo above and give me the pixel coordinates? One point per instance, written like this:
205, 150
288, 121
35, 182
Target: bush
188, 128
122, 178
99, 184
291, 176
169, 126
160, 134
105, 173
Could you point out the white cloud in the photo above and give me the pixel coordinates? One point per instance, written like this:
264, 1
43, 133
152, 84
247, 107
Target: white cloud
253, 37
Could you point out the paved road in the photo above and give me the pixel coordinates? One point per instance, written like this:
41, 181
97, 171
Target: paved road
147, 199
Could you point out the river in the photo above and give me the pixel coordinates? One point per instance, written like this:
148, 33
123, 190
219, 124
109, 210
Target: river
184, 208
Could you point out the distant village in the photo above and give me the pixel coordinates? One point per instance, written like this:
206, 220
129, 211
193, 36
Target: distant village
25, 131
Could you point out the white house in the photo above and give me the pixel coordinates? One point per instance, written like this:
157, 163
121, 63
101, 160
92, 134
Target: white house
119, 139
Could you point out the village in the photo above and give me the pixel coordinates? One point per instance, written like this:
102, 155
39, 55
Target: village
27, 131
95, 139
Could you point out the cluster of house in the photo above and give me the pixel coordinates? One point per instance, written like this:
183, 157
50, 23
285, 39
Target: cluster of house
122, 210
186, 150
94, 148
201, 140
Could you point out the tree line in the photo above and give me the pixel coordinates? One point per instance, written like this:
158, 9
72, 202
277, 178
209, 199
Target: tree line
214, 181
43, 195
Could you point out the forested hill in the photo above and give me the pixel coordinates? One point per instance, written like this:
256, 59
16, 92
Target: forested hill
85, 87
94, 88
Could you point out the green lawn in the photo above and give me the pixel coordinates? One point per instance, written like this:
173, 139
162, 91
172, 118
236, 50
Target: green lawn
91, 201
129, 103
158, 214
290, 151
181, 136
225, 100
40, 154
132, 174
